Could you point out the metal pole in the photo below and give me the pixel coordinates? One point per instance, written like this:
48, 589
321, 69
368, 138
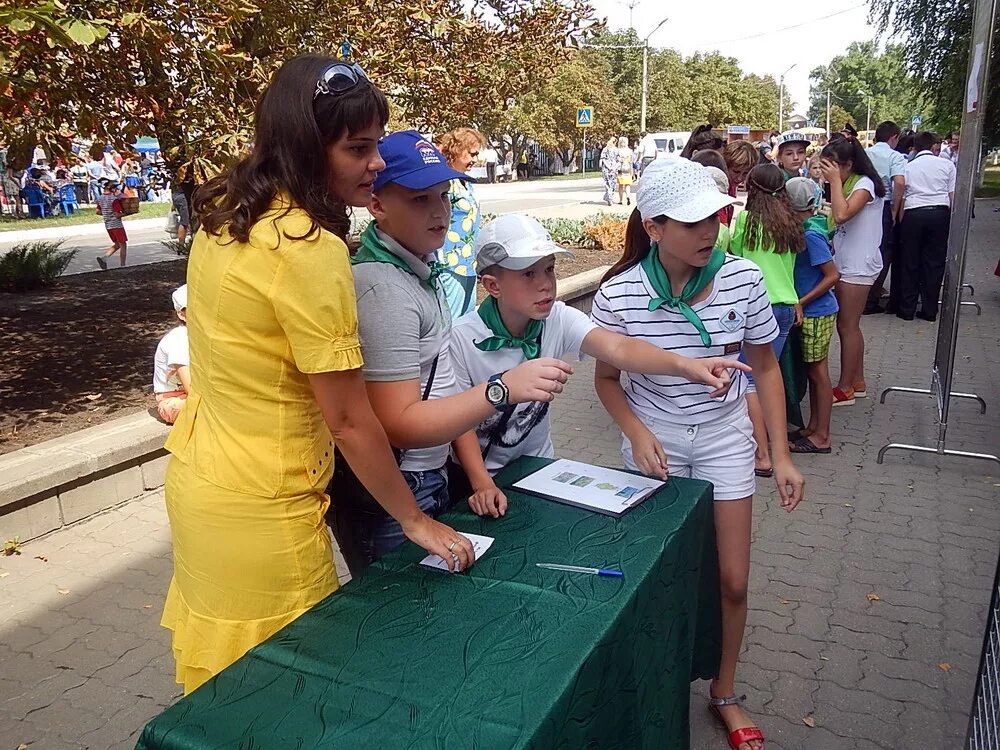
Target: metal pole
868, 122
645, 84
974, 112
828, 113
781, 102
583, 161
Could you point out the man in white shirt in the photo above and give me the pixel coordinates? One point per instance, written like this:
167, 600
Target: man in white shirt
890, 165
927, 201
490, 156
647, 150
949, 149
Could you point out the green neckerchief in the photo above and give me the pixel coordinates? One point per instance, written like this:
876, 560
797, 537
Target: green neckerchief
849, 183
817, 223
661, 285
530, 343
373, 250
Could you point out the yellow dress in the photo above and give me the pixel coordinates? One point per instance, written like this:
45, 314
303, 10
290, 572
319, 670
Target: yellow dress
252, 456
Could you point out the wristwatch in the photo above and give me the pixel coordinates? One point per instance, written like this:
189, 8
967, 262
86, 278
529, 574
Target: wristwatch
497, 392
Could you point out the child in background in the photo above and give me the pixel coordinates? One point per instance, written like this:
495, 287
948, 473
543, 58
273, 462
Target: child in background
815, 276
791, 157
722, 182
673, 289
109, 207
521, 320
769, 234
172, 363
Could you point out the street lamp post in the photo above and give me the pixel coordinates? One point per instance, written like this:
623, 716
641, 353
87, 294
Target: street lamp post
868, 122
781, 98
645, 75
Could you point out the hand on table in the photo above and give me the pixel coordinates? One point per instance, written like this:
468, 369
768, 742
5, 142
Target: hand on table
488, 501
441, 540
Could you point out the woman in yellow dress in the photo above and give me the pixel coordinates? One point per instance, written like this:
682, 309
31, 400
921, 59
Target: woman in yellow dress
276, 375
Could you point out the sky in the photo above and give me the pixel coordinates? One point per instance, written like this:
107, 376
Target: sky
725, 25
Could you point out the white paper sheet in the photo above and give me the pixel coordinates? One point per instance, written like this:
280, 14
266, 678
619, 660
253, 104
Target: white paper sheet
590, 487
479, 545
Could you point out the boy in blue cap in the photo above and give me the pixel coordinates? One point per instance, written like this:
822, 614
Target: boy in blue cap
404, 324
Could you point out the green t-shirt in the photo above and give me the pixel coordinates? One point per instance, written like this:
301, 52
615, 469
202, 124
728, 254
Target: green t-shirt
778, 268
722, 241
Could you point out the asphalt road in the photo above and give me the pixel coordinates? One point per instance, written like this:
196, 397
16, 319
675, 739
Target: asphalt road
145, 243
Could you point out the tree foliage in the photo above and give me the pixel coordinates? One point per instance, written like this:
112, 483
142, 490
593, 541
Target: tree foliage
894, 92
189, 72
938, 37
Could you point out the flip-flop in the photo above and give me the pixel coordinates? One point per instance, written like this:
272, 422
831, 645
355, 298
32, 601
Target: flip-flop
764, 472
805, 445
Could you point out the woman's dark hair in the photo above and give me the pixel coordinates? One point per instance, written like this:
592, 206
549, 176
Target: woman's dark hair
905, 143
771, 221
637, 244
709, 158
849, 150
291, 134
701, 138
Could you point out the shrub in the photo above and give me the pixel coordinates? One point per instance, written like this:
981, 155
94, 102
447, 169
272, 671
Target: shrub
33, 265
607, 233
181, 248
569, 232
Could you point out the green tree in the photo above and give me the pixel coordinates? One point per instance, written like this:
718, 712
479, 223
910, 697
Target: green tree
190, 72
938, 36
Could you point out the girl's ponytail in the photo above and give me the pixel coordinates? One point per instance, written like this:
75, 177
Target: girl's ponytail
637, 245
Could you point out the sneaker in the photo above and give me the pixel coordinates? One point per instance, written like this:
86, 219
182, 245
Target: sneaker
102, 263
860, 390
843, 399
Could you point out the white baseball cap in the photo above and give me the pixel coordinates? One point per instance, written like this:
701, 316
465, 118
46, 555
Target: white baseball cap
180, 297
516, 242
791, 136
679, 189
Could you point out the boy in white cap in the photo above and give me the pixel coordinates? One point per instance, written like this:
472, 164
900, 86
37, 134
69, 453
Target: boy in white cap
171, 363
792, 146
674, 289
521, 320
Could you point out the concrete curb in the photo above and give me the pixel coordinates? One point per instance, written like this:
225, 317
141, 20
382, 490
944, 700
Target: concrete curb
76, 230
46, 486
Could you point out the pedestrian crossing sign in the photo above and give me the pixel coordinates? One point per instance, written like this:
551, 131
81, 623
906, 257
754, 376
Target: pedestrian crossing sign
585, 117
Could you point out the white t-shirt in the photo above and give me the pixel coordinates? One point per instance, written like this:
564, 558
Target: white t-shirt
527, 432
737, 311
856, 242
647, 147
489, 155
171, 353
929, 181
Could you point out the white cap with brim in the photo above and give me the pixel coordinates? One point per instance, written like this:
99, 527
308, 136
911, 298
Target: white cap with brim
180, 297
679, 189
791, 136
515, 242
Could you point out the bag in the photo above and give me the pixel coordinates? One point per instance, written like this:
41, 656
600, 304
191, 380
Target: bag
353, 507
173, 220
130, 205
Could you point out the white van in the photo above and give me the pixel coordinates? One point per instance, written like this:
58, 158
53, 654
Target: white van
671, 143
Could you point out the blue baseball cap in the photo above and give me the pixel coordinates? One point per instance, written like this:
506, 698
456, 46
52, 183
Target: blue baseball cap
413, 162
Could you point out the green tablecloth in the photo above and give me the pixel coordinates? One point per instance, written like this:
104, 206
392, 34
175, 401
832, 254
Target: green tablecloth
507, 655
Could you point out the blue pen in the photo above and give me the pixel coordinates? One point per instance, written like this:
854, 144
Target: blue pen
578, 569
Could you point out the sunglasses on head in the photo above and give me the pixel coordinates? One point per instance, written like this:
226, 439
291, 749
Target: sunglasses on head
339, 78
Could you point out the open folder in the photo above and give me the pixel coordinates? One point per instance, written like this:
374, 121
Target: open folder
595, 488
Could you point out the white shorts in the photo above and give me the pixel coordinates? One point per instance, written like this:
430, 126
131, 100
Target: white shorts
859, 280
719, 452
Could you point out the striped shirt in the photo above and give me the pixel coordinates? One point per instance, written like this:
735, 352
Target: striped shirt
106, 207
736, 311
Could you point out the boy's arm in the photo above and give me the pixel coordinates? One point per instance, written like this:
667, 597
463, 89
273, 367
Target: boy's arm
627, 353
486, 498
898, 190
830, 278
646, 449
771, 392
184, 375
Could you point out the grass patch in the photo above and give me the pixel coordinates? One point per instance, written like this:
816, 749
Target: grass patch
991, 184
574, 176
86, 215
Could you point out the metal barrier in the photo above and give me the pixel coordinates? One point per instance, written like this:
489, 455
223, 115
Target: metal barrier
984, 722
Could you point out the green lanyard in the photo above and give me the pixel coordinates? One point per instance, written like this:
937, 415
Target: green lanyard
373, 250
530, 343
702, 277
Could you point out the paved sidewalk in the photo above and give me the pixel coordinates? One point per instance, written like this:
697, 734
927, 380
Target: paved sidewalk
85, 663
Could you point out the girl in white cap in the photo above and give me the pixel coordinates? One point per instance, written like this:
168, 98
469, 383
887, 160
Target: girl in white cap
673, 288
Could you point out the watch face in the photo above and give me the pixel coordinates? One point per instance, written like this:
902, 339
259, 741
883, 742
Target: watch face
495, 393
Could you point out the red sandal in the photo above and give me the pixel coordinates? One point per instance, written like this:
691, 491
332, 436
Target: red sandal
738, 736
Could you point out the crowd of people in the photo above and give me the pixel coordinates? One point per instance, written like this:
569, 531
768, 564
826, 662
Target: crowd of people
369, 389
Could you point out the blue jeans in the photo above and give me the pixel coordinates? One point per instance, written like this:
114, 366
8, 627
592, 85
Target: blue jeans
784, 315
365, 532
